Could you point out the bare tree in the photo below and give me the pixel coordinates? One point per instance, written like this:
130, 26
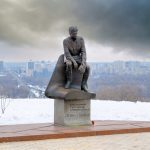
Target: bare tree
4, 103
124, 92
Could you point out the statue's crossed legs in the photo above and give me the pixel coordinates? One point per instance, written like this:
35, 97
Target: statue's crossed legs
69, 67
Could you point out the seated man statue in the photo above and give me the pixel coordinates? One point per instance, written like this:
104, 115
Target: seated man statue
75, 57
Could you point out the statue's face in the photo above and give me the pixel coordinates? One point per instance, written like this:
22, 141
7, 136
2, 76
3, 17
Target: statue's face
73, 34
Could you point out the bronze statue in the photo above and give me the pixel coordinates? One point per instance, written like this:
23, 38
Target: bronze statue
75, 58
69, 79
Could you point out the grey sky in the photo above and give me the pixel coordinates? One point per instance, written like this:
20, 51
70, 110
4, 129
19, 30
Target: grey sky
112, 29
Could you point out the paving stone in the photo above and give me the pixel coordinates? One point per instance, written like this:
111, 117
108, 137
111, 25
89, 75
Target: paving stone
30, 132
132, 141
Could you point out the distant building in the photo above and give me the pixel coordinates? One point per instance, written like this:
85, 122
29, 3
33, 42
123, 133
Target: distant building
38, 67
30, 68
1, 66
31, 65
18, 67
48, 66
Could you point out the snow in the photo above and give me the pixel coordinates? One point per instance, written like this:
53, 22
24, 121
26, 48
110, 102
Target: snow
25, 111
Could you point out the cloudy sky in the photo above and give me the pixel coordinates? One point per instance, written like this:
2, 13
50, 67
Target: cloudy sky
112, 29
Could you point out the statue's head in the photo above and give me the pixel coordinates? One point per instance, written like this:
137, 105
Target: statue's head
73, 31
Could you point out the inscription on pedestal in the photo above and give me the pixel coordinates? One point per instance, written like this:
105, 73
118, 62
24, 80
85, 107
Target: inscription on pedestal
77, 111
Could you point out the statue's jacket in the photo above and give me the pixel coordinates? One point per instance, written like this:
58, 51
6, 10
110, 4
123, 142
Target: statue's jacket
74, 50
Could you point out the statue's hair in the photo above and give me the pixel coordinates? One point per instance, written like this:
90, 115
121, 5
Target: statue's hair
73, 29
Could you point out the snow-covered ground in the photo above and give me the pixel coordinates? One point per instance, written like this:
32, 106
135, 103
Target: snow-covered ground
22, 111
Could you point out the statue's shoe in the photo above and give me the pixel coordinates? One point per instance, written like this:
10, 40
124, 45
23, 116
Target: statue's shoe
67, 85
84, 88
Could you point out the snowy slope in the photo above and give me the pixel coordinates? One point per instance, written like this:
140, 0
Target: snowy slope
22, 111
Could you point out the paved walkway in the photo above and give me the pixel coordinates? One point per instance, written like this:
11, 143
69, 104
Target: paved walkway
131, 141
28, 132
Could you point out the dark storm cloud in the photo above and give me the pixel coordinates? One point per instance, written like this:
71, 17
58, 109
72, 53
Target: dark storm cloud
28, 22
121, 24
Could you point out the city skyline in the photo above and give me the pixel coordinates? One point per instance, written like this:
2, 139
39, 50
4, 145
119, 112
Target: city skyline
120, 67
29, 79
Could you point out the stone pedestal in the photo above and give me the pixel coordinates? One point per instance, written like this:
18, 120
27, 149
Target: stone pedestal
72, 112
71, 106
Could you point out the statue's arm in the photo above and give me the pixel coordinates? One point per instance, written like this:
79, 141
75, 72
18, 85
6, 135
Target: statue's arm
67, 53
83, 52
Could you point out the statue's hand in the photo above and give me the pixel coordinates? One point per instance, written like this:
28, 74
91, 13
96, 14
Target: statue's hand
75, 65
81, 69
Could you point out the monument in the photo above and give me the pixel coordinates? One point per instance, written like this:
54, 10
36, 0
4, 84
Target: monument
68, 84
